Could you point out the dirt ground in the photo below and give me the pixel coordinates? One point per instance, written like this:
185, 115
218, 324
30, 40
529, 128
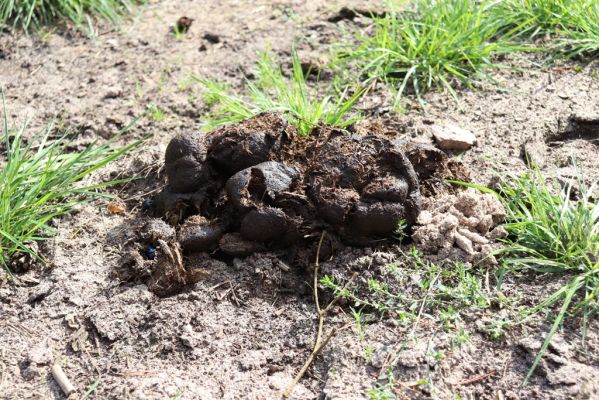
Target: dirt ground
245, 330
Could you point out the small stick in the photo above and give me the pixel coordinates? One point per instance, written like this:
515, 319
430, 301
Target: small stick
218, 285
320, 343
405, 386
478, 378
62, 380
317, 346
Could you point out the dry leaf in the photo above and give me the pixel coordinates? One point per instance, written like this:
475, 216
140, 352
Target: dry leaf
117, 207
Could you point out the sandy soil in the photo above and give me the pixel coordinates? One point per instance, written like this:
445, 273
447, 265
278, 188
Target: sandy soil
244, 332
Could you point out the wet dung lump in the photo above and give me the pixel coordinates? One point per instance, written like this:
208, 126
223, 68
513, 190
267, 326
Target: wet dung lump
257, 185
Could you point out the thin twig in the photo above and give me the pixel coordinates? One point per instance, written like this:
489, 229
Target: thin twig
302, 371
478, 378
406, 386
320, 343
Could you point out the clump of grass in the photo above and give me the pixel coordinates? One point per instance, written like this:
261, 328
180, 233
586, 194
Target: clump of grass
271, 91
384, 388
551, 233
437, 44
572, 24
41, 180
582, 37
156, 113
535, 18
35, 13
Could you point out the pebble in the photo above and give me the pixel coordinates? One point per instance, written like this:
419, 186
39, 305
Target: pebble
113, 92
451, 137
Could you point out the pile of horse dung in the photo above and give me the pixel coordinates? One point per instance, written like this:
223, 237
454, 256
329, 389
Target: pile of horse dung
257, 186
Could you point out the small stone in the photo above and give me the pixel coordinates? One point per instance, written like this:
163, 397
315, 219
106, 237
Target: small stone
534, 153
113, 44
187, 337
113, 92
563, 95
451, 137
187, 340
498, 233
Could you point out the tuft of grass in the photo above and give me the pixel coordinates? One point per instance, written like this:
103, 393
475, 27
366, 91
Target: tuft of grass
552, 233
572, 24
582, 37
536, 18
553, 230
384, 388
435, 44
156, 113
26, 14
271, 91
40, 180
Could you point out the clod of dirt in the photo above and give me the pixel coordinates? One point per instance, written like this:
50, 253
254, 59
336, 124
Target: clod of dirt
113, 92
183, 24
534, 152
212, 37
257, 186
314, 68
4, 53
157, 229
22, 262
33, 366
120, 317
561, 369
460, 226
